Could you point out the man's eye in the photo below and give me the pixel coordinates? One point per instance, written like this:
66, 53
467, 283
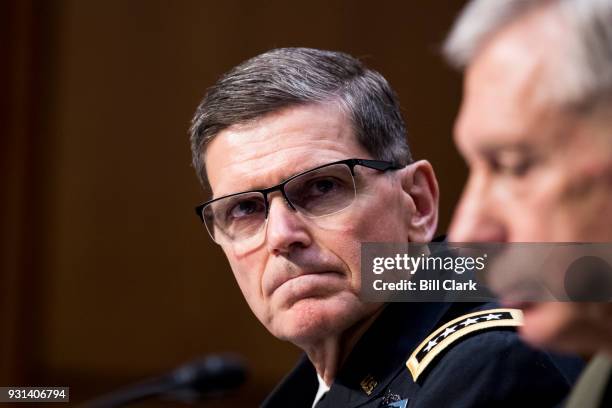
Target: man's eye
321, 187
245, 208
511, 166
517, 169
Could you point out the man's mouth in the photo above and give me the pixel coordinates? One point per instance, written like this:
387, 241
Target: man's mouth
306, 283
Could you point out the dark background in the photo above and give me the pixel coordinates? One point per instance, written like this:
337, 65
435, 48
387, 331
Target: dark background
106, 275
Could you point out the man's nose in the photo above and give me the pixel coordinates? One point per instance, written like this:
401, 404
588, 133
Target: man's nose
476, 218
285, 230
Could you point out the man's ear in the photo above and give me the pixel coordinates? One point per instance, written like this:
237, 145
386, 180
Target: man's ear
421, 187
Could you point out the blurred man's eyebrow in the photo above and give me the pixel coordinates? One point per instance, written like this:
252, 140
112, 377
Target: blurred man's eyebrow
511, 147
491, 145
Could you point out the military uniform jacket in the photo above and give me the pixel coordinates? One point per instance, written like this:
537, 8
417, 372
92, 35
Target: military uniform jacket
405, 360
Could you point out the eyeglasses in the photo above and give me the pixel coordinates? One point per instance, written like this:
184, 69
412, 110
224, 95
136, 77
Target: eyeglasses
318, 192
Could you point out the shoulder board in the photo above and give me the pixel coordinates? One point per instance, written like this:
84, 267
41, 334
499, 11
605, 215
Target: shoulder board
456, 329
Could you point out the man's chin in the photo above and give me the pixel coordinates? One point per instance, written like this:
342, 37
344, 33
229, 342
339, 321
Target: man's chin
546, 325
313, 319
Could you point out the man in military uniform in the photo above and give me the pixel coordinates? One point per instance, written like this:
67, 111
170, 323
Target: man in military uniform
535, 128
306, 156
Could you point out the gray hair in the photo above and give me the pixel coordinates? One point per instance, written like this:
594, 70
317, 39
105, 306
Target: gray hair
287, 77
584, 69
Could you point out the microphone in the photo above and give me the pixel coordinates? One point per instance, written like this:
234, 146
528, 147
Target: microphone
202, 377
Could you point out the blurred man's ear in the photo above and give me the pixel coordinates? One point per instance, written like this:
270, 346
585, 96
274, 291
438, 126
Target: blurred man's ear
421, 188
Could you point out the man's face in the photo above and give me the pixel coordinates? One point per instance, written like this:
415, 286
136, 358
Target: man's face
303, 281
537, 172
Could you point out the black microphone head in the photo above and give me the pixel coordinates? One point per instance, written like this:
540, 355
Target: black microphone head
212, 374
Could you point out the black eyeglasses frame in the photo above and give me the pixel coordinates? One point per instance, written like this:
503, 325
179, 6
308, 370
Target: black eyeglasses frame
380, 165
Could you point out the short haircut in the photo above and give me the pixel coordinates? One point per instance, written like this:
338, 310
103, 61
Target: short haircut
288, 77
582, 68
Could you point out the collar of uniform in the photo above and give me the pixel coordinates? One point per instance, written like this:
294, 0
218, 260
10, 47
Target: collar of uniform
380, 355
297, 389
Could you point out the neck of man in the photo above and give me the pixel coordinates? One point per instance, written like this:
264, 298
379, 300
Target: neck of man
330, 353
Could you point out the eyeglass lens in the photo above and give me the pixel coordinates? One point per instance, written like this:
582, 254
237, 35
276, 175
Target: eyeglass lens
316, 193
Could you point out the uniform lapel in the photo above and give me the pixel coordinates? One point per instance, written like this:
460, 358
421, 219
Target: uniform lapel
381, 354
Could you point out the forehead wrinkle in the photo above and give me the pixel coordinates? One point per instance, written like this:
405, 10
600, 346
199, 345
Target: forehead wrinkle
276, 148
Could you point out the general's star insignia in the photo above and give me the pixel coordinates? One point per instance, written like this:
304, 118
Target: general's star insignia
448, 331
454, 330
430, 345
468, 321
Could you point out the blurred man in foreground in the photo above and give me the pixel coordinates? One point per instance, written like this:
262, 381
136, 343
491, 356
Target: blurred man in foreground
306, 156
535, 128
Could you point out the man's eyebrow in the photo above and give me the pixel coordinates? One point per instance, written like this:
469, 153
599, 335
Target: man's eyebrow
491, 148
303, 168
285, 175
